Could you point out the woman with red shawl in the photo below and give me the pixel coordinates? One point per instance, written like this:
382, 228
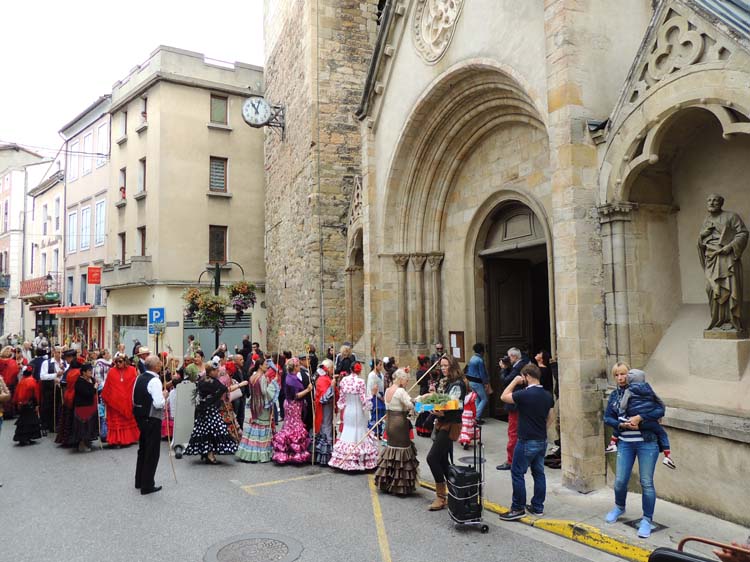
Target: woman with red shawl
9, 373
324, 401
118, 397
65, 427
26, 400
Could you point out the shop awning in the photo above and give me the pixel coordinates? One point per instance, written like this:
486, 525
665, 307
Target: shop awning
70, 309
47, 307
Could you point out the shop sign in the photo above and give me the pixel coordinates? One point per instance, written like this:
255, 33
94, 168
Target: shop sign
94, 275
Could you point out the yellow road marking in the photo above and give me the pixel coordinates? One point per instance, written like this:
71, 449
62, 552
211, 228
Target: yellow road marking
385, 549
250, 488
578, 532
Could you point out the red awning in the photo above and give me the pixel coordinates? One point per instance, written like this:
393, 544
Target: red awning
69, 309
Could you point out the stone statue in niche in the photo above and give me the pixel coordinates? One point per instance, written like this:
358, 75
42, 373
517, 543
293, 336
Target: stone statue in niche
722, 240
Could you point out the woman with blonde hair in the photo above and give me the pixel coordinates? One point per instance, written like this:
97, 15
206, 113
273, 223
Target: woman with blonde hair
345, 360
397, 463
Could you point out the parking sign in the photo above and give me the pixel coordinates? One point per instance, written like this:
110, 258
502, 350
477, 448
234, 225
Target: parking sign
156, 320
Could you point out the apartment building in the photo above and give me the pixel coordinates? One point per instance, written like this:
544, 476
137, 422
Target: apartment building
41, 288
186, 192
13, 185
87, 185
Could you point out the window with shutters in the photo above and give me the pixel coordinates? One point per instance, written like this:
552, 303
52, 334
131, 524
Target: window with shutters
217, 244
218, 109
121, 236
217, 180
99, 222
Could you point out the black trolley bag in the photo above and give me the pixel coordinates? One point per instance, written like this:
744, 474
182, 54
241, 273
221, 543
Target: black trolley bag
465, 489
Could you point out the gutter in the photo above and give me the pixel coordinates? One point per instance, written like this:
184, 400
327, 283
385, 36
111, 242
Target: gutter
385, 25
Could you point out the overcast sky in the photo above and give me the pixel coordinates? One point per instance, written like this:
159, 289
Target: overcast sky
58, 57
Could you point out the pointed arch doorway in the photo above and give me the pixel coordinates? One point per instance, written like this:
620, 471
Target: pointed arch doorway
516, 274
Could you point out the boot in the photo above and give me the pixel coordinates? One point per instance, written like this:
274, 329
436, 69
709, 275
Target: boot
441, 495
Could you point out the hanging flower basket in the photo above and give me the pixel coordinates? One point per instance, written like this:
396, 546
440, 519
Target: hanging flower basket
191, 297
241, 296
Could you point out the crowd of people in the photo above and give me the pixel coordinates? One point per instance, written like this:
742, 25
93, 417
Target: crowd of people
302, 410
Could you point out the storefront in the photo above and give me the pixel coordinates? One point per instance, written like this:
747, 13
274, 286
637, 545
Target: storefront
83, 325
44, 322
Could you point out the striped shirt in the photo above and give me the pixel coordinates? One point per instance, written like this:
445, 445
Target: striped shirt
629, 435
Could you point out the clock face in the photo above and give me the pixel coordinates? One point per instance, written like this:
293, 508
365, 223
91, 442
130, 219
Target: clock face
256, 111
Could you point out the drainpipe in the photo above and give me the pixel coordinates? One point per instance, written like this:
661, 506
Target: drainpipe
64, 245
23, 254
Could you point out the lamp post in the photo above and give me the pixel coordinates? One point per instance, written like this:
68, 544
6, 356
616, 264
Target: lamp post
217, 286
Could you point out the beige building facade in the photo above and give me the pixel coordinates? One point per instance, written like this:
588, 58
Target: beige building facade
41, 289
534, 174
14, 183
87, 213
186, 191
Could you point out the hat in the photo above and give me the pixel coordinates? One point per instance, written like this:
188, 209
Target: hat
302, 357
143, 350
118, 355
69, 353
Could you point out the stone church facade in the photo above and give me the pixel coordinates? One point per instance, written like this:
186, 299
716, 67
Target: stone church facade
527, 174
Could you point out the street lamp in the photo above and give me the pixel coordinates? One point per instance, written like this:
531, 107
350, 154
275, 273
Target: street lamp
49, 279
217, 286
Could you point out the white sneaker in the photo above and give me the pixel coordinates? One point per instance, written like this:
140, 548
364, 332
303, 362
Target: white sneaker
611, 448
669, 463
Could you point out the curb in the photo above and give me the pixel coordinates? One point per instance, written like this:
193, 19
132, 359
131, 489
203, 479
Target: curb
578, 532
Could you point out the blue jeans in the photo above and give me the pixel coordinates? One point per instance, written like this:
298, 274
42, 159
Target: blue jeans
647, 453
478, 387
528, 454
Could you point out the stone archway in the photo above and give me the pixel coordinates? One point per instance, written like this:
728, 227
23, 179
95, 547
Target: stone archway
466, 109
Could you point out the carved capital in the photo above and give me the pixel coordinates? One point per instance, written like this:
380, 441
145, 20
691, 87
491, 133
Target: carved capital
401, 260
418, 261
616, 211
434, 261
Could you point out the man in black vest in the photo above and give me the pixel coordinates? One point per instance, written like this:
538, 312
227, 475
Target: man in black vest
148, 408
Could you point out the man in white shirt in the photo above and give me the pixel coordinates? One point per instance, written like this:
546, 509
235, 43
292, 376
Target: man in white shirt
49, 374
149, 399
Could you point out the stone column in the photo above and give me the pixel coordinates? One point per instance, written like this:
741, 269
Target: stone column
433, 262
576, 242
613, 218
418, 261
402, 261
349, 304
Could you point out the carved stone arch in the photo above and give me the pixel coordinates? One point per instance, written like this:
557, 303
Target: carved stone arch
725, 94
456, 112
476, 237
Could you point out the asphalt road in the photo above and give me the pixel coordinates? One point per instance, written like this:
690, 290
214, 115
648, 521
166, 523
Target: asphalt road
62, 505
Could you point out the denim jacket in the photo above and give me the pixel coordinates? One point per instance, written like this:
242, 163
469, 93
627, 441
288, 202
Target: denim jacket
477, 370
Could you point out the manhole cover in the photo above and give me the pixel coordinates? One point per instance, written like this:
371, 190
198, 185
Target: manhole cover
470, 460
255, 548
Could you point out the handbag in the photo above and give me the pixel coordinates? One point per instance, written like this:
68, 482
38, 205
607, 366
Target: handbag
235, 394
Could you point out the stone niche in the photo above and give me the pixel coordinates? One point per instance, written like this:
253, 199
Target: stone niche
668, 306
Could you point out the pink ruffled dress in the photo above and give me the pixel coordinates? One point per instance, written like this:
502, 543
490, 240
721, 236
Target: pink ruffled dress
351, 452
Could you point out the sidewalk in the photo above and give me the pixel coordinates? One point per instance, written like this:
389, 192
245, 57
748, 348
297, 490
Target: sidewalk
580, 517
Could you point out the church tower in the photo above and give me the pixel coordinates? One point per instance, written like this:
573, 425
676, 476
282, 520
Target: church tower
317, 55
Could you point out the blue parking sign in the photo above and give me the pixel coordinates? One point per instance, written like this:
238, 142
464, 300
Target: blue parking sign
156, 320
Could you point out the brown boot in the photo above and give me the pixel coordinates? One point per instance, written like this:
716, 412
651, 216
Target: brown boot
441, 495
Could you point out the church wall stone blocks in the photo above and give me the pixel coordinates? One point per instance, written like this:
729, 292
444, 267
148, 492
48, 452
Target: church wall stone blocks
523, 174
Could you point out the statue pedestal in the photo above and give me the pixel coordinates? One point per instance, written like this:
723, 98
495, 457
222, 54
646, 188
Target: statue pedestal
724, 335
719, 359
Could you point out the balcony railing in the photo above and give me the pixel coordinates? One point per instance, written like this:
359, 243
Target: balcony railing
38, 286
4, 281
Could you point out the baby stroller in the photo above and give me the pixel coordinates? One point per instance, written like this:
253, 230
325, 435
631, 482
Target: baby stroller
465, 483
